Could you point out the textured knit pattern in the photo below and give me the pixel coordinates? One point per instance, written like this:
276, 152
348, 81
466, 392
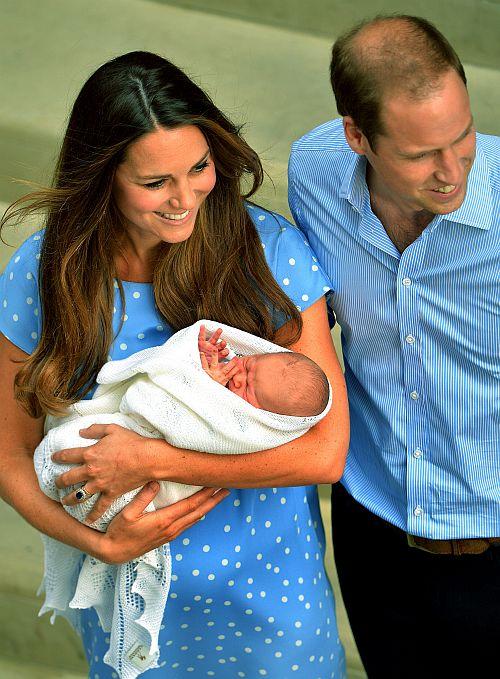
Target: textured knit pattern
249, 595
421, 338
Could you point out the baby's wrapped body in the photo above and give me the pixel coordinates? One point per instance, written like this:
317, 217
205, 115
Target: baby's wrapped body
161, 392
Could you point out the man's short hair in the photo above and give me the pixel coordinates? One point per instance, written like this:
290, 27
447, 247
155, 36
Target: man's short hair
390, 53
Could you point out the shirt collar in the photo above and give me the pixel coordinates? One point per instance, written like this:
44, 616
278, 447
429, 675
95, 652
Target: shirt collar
476, 210
354, 183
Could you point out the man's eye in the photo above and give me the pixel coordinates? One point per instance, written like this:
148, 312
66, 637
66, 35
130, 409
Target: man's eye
155, 185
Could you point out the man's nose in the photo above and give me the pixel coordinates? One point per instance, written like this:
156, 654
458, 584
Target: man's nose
450, 169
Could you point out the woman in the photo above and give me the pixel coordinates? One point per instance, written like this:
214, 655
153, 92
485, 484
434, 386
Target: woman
147, 232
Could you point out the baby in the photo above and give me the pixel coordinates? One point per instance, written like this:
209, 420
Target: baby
286, 383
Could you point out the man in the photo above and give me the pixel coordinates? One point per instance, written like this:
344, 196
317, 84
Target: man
401, 201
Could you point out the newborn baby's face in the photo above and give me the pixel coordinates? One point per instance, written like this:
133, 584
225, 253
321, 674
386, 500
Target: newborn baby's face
256, 379
243, 383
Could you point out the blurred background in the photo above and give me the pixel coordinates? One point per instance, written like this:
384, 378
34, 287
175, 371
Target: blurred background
265, 63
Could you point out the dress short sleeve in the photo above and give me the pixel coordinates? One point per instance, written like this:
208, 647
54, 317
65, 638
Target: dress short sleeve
290, 258
20, 319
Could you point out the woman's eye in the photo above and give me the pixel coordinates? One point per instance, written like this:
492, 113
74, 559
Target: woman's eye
201, 166
155, 185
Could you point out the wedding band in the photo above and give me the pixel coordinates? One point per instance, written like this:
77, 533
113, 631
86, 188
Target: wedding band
83, 494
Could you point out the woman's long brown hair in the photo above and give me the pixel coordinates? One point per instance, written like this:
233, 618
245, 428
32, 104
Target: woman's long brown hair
219, 272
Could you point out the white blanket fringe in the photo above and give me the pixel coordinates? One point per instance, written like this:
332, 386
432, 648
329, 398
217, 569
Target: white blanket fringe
160, 392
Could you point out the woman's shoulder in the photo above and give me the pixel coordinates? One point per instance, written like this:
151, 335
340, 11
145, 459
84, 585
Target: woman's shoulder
290, 258
20, 319
26, 257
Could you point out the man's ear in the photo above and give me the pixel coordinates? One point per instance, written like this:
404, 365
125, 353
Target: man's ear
354, 137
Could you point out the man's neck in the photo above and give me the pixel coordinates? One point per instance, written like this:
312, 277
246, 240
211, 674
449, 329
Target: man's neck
402, 226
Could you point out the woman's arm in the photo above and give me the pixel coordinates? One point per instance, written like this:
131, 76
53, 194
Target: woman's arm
111, 468
130, 534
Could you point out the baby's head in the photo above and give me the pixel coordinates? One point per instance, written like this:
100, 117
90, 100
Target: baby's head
286, 383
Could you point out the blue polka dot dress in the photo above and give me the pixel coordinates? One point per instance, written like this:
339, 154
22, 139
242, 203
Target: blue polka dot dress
249, 594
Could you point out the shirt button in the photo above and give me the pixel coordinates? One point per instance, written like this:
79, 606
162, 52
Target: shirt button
418, 511
417, 453
409, 339
414, 395
406, 282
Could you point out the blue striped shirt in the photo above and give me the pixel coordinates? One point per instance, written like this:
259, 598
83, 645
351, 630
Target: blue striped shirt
421, 340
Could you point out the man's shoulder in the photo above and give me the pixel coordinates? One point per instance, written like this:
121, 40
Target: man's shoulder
326, 137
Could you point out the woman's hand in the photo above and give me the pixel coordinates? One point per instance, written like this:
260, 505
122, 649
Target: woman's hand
114, 465
133, 532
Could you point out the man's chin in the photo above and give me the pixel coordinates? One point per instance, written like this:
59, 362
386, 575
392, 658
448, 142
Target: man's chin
445, 208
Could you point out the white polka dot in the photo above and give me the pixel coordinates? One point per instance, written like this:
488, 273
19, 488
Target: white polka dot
35, 311
230, 583
140, 335
196, 572
287, 550
15, 317
29, 300
270, 619
159, 328
224, 562
248, 611
262, 594
29, 275
252, 532
284, 599
17, 259
280, 633
262, 497
261, 218
136, 295
5, 304
38, 256
125, 317
227, 528
11, 276
299, 308
211, 576
227, 603
291, 261
114, 310
37, 237
185, 541
286, 281
237, 548
298, 642
278, 654
298, 624
305, 298
237, 564
175, 577
267, 524
326, 288
206, 548
237, 503
247, 649
314, 267
34, 335
123, 346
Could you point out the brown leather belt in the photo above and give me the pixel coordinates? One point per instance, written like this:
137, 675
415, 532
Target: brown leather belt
452, 547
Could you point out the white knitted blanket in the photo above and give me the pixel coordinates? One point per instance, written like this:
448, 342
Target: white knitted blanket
160, 392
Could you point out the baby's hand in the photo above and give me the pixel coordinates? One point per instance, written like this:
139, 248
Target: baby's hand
220, 372
213, 346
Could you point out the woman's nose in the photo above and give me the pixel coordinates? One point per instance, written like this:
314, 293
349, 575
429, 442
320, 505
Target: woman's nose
183, 196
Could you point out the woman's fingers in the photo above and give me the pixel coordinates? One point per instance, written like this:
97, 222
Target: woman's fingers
188, 513
72, 477
97, 431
